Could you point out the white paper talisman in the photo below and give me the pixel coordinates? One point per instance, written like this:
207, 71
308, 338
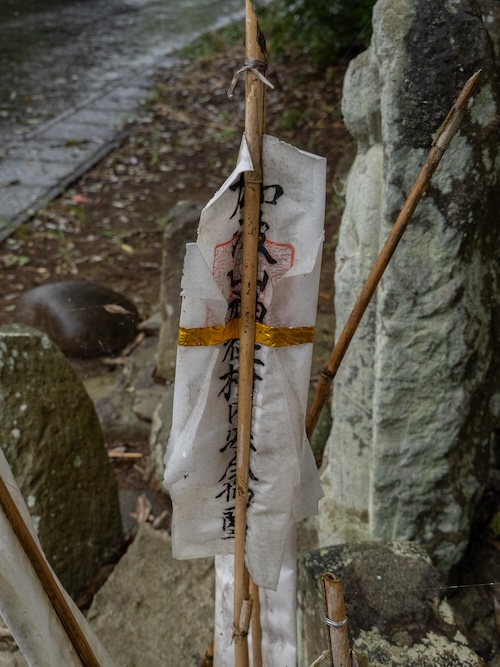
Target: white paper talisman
278, 620
24, 605
201, 453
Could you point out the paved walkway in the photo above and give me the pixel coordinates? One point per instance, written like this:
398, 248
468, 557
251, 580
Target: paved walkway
34, 172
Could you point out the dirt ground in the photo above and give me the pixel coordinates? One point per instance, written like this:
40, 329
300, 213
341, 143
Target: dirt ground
108, 226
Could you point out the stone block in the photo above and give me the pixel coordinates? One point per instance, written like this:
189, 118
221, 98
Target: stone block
181, 228
395, 609
412, 417
160, 430
51, 437
126, 401
155, 611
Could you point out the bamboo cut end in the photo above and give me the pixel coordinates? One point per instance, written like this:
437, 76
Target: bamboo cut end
255, 41
452, 121
468, 90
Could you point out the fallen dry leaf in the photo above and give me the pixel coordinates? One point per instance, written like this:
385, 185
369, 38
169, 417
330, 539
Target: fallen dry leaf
162, 520
80, 199
115, 309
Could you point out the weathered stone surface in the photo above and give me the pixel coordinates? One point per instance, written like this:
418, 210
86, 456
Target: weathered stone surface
476, 607
83, 319
51, 437
407, 452
396, 614
435, 650
155, 611
126, 405
160, 430
181, 228
490, 11
325, 660
10, 655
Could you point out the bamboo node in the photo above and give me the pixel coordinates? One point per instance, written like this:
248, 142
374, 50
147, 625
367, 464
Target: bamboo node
328, 374
258, 67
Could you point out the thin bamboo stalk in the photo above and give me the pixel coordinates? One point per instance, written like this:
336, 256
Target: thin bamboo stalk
46, 578
254, 129
256, 627
440, 144
335, 616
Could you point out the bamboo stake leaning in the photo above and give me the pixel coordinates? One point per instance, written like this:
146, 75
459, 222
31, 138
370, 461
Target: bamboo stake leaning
439, 146
254, 130
336, 619
46, 578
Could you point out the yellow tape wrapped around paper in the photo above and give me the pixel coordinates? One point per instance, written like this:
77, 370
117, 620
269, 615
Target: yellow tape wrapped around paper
264, 335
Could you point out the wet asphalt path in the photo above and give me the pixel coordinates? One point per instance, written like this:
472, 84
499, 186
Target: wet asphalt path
70, 73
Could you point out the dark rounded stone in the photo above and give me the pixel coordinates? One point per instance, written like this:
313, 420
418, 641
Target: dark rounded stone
83, 319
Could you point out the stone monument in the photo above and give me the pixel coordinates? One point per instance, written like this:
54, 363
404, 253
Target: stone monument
414, 400
181, 228
51, 437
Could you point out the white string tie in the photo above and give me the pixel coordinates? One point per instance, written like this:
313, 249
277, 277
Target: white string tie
253, 65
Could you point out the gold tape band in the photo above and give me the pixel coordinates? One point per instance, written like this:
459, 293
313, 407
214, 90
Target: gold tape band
270, 336
205, 336
282, 336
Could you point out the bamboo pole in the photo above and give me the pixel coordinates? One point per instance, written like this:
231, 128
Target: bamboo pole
336, 619
254, 129
256, 627
46, 578
440, 144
